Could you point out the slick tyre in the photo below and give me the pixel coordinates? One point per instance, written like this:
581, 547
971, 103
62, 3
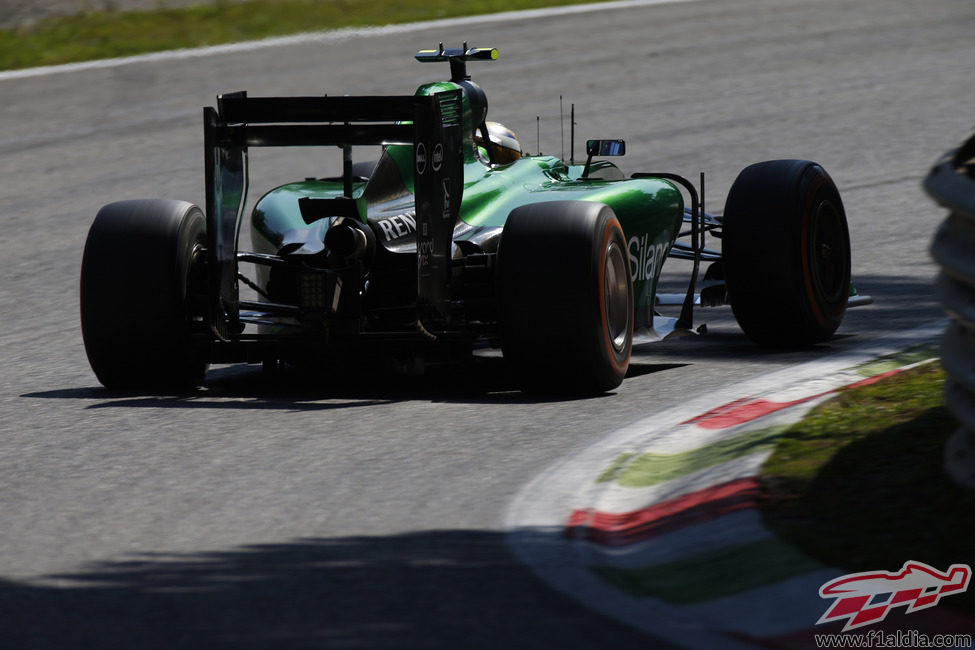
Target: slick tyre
142, 294
566, 297
786, 251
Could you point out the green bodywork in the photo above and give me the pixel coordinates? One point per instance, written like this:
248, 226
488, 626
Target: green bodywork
650, 210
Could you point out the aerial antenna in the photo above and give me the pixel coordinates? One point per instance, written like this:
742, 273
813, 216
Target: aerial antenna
562, 126
538, 135
572, 136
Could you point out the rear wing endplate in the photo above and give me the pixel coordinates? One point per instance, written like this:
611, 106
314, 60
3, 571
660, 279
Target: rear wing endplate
431, 124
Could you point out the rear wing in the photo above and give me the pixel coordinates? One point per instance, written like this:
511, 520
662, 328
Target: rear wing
431, 124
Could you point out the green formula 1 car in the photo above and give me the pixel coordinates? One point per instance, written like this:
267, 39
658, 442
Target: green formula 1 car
452, 243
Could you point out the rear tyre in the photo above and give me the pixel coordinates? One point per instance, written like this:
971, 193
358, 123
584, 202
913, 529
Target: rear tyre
143, 295
566, 297
786, 252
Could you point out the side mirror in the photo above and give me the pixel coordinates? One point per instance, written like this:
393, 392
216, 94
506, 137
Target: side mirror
602, 148
605, 148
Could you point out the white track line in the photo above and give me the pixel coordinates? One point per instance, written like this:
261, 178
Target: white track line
330, 37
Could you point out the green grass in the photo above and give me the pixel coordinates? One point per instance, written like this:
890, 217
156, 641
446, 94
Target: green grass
648, 469
859, 483
96, 35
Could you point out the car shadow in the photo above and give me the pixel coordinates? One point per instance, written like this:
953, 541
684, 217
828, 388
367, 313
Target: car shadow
487, 381
900, 304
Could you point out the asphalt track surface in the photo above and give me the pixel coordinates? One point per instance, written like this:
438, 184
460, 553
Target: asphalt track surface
259, 514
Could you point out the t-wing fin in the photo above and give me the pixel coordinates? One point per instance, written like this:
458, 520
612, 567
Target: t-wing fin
458, 58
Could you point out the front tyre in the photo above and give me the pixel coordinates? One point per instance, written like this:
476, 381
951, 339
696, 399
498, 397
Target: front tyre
786, 253
566, 297
143, 294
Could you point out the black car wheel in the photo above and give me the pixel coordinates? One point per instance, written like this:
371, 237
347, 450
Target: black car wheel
143, 295
566, 297
786, 252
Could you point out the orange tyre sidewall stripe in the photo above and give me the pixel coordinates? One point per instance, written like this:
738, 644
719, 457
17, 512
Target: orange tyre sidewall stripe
804, 253
611, 226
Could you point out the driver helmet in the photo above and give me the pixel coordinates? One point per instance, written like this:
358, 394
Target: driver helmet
503, 146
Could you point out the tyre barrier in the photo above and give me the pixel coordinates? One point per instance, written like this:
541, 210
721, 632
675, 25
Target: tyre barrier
951, 183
